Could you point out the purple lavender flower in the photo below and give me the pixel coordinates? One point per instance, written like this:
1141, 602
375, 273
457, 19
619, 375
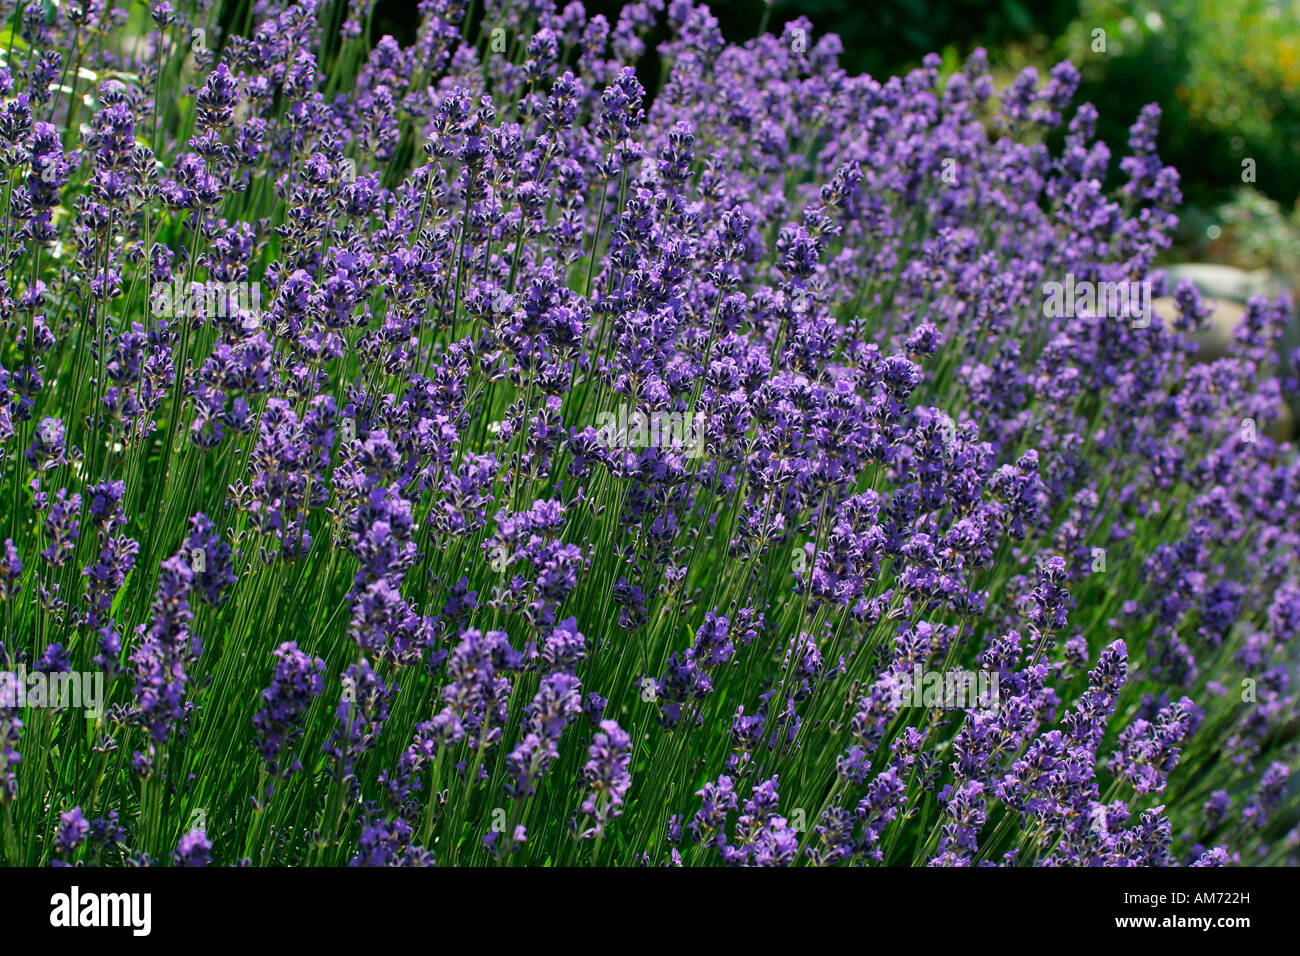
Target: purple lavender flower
194, 849
607, 776
167, 646
557, 701
297, 680
72, 832
360, 719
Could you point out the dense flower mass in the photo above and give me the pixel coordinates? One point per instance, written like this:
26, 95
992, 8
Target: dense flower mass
456, 452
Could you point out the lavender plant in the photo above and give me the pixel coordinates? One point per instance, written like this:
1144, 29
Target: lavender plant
451, 453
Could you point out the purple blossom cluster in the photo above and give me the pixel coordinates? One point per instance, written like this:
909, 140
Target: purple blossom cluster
388, 487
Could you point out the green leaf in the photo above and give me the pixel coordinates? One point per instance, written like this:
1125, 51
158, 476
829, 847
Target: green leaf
8, 39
